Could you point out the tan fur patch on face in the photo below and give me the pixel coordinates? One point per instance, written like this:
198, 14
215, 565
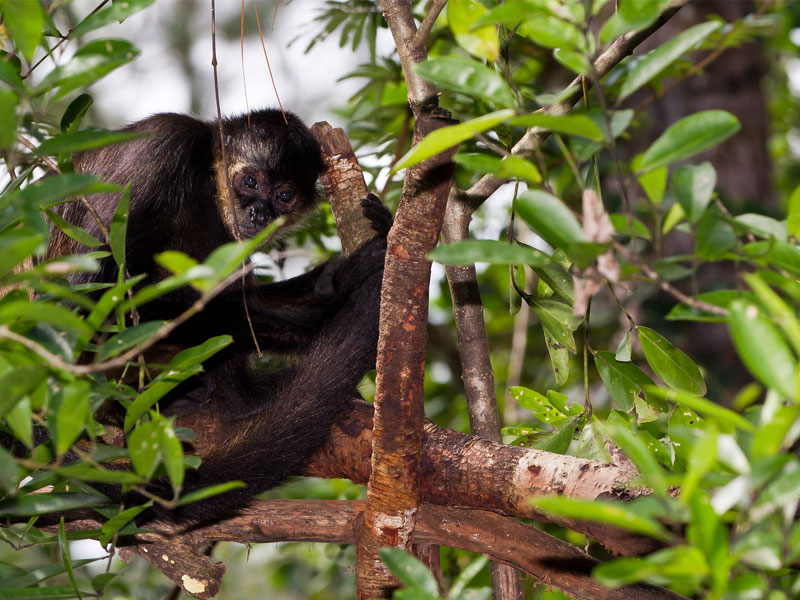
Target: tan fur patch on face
226, 203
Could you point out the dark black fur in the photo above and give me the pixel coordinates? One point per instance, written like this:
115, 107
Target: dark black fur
328, 318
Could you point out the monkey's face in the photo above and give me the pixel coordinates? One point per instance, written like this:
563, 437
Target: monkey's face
261, 198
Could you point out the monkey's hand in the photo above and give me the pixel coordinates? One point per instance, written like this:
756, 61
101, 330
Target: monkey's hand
377, 213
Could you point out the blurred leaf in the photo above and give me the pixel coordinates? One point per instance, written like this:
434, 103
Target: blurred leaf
715, 236
705, 407
552, 32
15, 247
641, 450
71, 414
24, 21
689, 136
721, 298
510, 167
793, 210
655, 61
580, 125
409, 571
119, 227
85, 139
654, 183
780, 494
467, 574
671, 564
17, 383
762, 349
54, 502
631, 15
629, 226
8, 117
550, 218
780, 312
676, 369
702, 460
19, 420
693, 186
447, 137
469, 77
762, 225
9, 472
598, 511
115, 12
557, 441
467, 252
75, 112
481, 41
574, 61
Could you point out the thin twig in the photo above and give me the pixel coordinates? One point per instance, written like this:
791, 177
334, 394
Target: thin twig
434, 8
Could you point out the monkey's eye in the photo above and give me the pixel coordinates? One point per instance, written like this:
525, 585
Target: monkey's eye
250, 181
285, 195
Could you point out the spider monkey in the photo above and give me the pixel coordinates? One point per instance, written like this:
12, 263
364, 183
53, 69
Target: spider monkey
327, 318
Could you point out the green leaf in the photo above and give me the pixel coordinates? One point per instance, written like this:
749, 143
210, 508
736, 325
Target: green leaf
793, 210
129, 338
71, 414
53, 188
469, 77
668, 362
480, 41
580, 125
19, 419
558, 319
54, 502
115, 12
707, 408
109, 300
75, 112
702, 460
24, 22
763, 226
693, 187
9, 472
197, 354
210, 491
659, 59
409, 571
600, 512
171, 452
8, 117
559, 357
73, 231
46, 312
678, 564
721, 298
654, 183
40, 574
762, 349
86, 472
467, 252
117, 522
715, 236
66, 559
550, 218
780, 312
631, 15
447, 137
85, 139
18, 383
575, 61
119, 227
624, 348
39, 593
155, 391
557, 441
15, 247
89, 64
143, 448
539, 405
510, 167
552, 32
642, 449
689, 136
556, 277
624, 381
629, 226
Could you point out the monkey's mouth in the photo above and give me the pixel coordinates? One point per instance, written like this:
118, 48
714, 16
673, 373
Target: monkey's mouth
253, 219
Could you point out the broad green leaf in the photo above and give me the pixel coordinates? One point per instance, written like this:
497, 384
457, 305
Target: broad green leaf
624, 381
197, 354
771, 437
630, 226
155, 391
674, 216
467, 252
674, 564
481, 41
20, 420
510, 167
559, 357
793, 213
580, 125
51, 189
90, 63
86, 472
75, 112
556, 277
512, 12
24, 22
763, 226
558, 319
171, 452
129, 338
469, 77
8, 117
85, 139
143, 448
539, 405
557, 441
689, 136
17, 383
110, 299
693, 187
715, 236
409, 571
671, 364
209, 492
15, 247
47, 312
176, 262
780, 493
707, 408
598, 511
9, 472
574, 61
702, 460
762, 349
71, 414
550, 218
54, 502
73, 231
780, 312
119, 227
117, 522
552, 32
654, 183
447, 137
659, 59
624, 348
115, 12
631, 15
721, 298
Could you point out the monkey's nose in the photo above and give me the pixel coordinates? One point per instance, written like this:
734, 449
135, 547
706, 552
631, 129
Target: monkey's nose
257, 217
